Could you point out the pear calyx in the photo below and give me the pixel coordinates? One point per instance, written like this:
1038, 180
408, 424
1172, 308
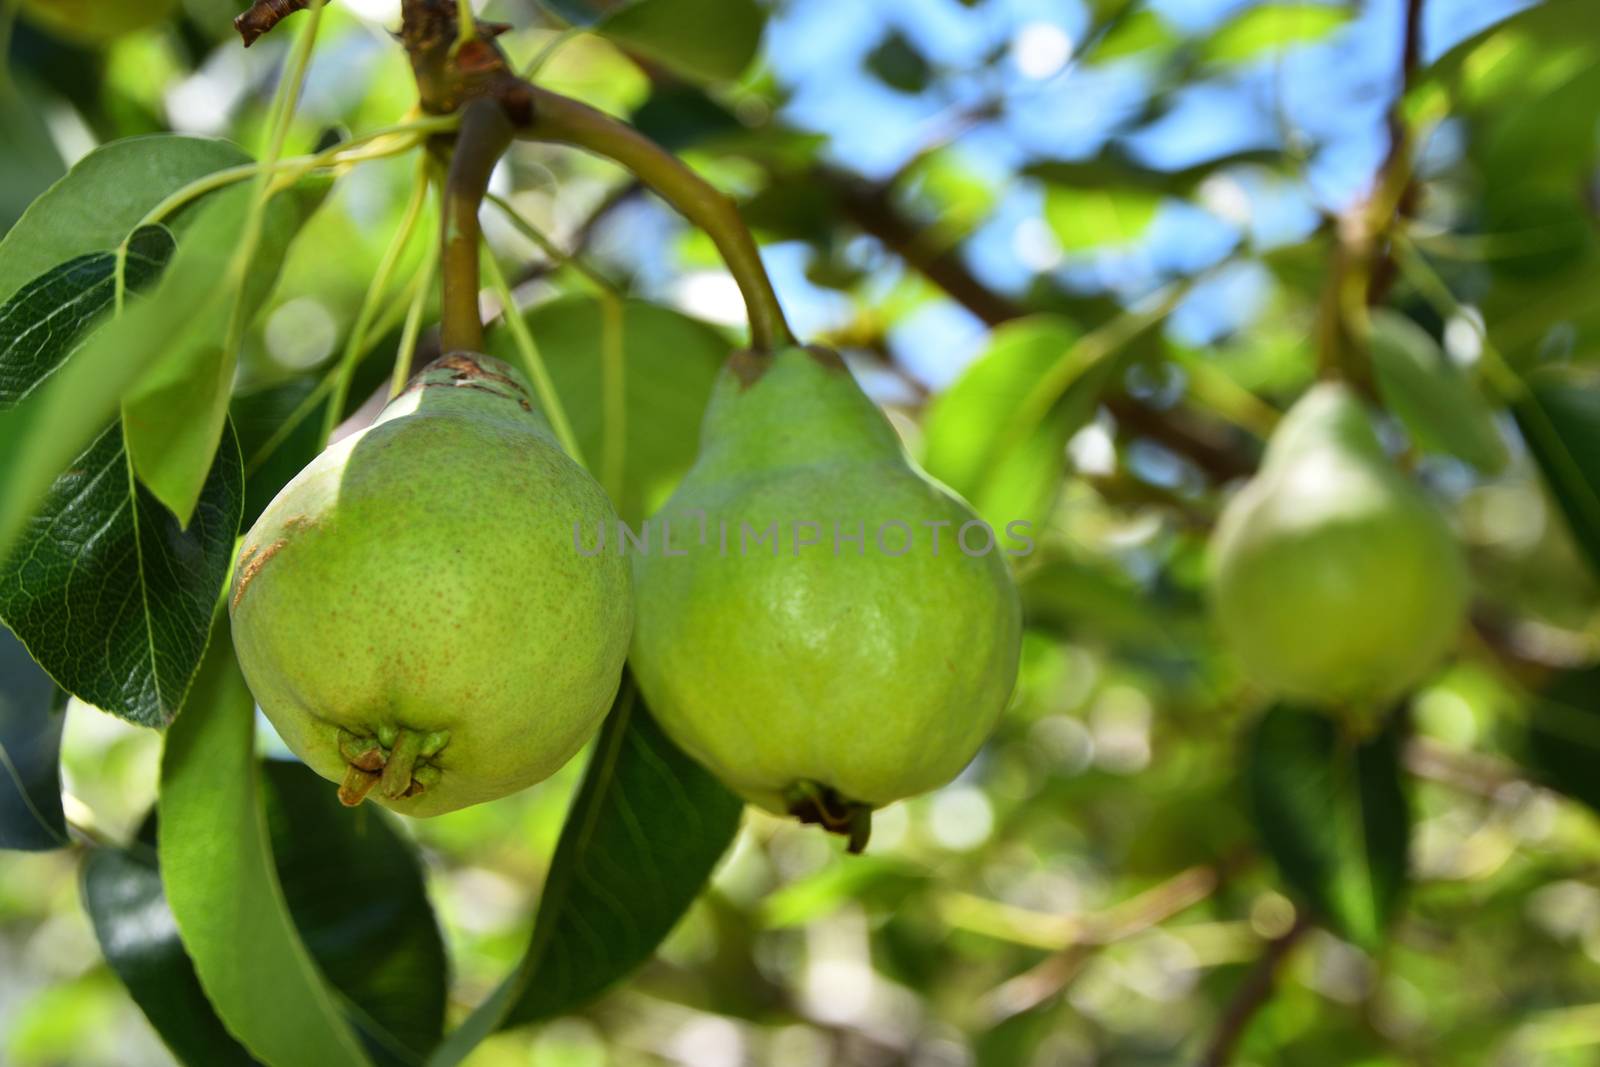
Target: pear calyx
396, 761
821, 805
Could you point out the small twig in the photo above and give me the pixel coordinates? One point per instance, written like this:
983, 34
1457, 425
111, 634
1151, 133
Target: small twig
584, 235
1118, 923
1253, 994
1469, 772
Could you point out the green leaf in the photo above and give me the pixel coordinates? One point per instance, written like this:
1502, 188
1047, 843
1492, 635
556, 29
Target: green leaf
123, 895
40, 436
1084, 219
1440, 408
1526, 93
107, 592
644, 832
110, 594
1333, 816
898, 64
1273, 27
275, 450
32, 161
43, 323
217, 865
703, 40
1141, 31
1562, 741
375, 939
103, 198
280, 425
679, 116
972, 440
31, 719
668, 364
173, 418
1559, 417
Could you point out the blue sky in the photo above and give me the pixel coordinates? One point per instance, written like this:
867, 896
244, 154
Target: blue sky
1331, 96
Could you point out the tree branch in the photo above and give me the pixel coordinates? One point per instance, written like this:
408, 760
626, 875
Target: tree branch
1395, 195
1121, 921
871, 208
1253, 994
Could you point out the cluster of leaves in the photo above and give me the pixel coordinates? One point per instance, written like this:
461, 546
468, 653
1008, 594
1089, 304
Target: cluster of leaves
113, 594
144, 418
131, 464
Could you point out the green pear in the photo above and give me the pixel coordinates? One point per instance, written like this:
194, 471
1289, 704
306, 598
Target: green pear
1334, 580
411, 612
799, 633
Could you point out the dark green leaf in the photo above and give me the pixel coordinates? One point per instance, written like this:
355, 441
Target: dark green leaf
644, 832
31, 718
1439, 407
1559, 417
123, 895
898, 64
1562, 745
45, 321
41, 435
217, 866
280, 425
683, 116
354, 888
1333, 816
173, 418
110, 594
30, 164
793, 208
103, 198
274, 449
703, 40
668, 364
106, 590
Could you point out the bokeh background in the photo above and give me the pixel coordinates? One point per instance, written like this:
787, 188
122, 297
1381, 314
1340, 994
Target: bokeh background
923, 175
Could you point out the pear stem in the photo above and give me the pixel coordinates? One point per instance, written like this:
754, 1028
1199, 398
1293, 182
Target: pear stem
484, 136
564, 120
400, 764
